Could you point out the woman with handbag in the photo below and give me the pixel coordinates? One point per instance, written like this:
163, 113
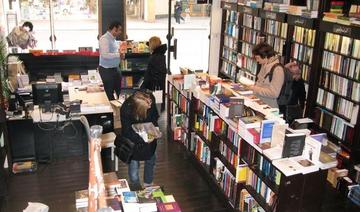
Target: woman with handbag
155, 75
139, 108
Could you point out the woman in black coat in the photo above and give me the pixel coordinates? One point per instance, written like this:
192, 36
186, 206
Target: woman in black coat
140, 108
155, 75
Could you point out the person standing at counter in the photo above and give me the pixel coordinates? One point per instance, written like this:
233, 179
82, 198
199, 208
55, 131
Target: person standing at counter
110, 59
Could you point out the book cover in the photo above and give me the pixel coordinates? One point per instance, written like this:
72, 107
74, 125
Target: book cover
168, 207
312, 149
266, 130
167, 198
307, 165
236, 107
278, 134
293, 145
114, 203
288, 167
130, 197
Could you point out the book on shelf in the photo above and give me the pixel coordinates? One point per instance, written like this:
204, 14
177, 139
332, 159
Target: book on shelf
266, 130
278, 134
334, 174
273, 153
288, 167
307, 165
328, 152
250, 122
241, 172
236, 107
168, 207
293, 144
114, 203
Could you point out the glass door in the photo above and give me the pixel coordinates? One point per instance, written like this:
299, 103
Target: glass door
74, 23
37, 12
147, 18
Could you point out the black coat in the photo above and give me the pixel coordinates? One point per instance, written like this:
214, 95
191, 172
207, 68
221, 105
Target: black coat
299, 93
155, 74
143, 151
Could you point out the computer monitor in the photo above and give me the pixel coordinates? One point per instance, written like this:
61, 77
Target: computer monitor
47, 93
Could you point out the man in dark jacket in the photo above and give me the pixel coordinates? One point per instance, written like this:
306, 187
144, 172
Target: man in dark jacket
139, 108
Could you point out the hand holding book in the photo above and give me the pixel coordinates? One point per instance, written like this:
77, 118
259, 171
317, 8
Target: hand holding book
147, 131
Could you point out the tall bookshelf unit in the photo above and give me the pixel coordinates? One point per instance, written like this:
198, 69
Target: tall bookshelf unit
303, 51
275, 29
178, 106
229, 41
250, 32
336, 97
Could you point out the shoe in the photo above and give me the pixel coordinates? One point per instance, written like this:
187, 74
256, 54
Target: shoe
148, 185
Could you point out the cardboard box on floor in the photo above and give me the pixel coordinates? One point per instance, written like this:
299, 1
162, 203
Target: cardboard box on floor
116, 105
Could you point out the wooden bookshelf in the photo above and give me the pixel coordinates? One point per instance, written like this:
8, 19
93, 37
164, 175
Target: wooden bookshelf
250, 32
224, 152
258, 198
133, 69
338, 44
276, 31
229, 40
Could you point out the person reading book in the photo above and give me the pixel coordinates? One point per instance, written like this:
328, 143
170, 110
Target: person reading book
271, 76
140, 108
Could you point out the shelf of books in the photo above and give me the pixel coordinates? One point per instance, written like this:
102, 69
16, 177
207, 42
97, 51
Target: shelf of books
248, 151
303, 39
336, 109
250, 32
275, 29
229, 40
178, 107
132, 69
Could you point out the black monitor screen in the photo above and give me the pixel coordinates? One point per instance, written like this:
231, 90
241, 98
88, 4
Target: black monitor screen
49, 93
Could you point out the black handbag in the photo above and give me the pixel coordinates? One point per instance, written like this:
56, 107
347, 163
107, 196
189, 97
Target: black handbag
124, 149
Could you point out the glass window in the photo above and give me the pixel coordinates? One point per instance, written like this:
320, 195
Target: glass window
75, 22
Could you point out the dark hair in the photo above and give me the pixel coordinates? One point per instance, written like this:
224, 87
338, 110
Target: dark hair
114, 24
28, 24
264, 50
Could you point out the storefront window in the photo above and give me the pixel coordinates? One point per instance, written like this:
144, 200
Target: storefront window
75, 22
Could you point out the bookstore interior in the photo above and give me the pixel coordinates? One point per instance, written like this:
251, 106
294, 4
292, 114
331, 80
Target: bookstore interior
251, 156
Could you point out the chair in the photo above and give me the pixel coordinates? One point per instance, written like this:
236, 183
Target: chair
107, 140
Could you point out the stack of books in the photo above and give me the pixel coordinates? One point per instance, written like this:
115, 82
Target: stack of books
150, 199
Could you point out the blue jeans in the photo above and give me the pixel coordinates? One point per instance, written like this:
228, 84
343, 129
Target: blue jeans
148, 171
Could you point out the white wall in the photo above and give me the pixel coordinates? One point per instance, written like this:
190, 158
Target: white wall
215, 35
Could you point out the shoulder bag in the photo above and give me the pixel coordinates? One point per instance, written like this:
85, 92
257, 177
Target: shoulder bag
124, 149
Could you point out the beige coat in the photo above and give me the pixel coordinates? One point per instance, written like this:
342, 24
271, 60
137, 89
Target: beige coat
269, 91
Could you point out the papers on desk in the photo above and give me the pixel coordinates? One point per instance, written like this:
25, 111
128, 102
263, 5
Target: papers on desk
95, 108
